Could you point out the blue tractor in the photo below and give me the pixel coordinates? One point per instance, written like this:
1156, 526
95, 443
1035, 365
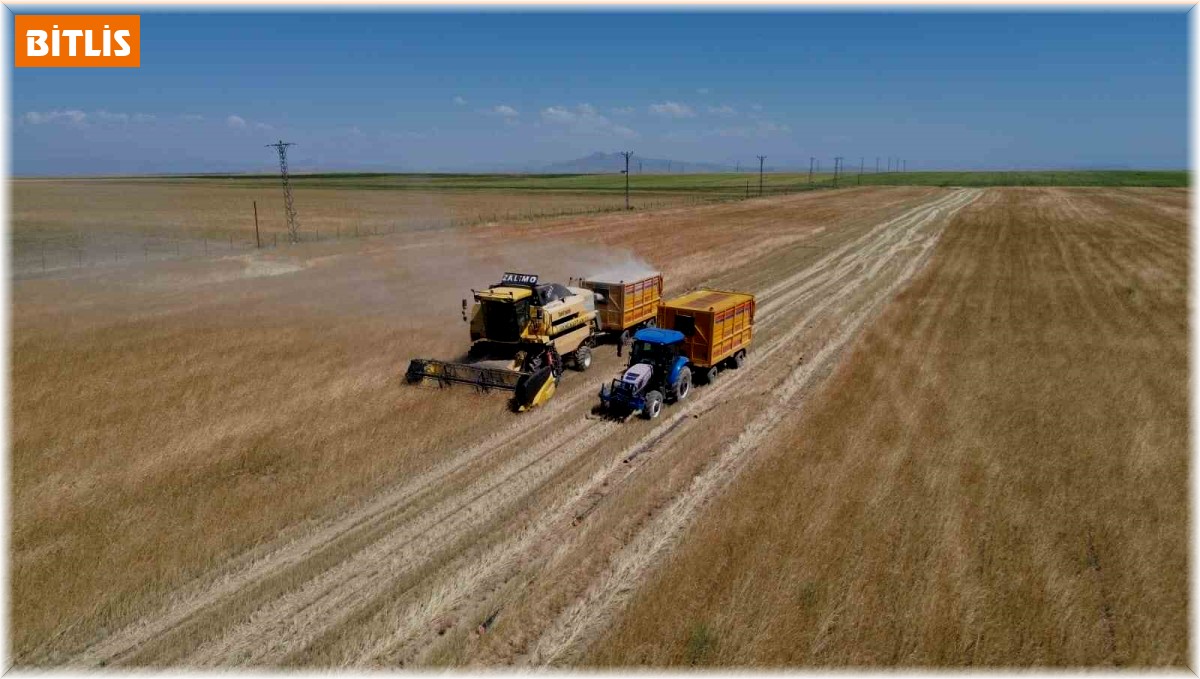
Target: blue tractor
658, 371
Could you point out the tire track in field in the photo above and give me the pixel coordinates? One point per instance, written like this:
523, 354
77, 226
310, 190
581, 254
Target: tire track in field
320, 604
267, 563
581, 622
454, 587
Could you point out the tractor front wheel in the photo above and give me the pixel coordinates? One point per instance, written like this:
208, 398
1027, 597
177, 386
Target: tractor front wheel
654, 402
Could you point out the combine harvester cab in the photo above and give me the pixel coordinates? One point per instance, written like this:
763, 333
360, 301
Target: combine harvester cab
522, 334
624, 306
699, 334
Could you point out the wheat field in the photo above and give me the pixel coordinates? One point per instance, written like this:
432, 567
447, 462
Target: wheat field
995, 476
961, 440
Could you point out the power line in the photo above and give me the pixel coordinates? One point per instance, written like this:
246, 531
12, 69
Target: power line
760, 173
626, 173
293, 227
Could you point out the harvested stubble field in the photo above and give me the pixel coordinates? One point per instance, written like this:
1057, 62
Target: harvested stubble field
996, 475
216, 464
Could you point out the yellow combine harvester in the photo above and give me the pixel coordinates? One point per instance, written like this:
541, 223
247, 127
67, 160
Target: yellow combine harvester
522, 333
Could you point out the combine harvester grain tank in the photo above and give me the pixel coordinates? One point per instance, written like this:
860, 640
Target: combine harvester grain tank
698, 334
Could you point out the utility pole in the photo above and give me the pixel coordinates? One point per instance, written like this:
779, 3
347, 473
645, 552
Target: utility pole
293, 227
810, 169
876, 164
626, 173
639, 167
760, 173
861, 160
257, 240
837, 167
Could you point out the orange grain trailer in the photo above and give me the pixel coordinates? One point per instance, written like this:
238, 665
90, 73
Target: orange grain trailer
717, 327
622, 305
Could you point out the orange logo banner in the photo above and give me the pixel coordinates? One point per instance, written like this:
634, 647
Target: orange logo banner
74, 40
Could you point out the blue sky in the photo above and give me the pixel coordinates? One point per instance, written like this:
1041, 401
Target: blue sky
426, 91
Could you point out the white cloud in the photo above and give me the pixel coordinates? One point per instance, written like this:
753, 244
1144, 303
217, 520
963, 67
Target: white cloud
584, 119
703, 90
236, 122
67, 117
106, 117
756, 107
77, 118
193, 118
460, 101
263, 126
508, 113
671, 109
622, 110
724, 110
558, 114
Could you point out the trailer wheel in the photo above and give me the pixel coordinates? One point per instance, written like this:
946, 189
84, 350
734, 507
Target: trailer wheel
739, 359
710, 375
654, 401
625, 337
684, 386
652, 323
582, 359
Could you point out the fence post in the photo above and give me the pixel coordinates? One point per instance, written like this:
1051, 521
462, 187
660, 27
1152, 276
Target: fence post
257, 242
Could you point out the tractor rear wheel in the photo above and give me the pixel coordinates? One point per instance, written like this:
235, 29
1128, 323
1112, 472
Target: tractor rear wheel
683, 386
654, 401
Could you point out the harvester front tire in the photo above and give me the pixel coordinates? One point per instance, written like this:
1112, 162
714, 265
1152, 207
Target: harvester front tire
582, 359
683, 386
654, 402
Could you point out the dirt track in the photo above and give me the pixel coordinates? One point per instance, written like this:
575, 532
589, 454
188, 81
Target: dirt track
537, 533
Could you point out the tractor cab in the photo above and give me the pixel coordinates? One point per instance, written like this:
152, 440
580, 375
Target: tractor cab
656, 371
657, 347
